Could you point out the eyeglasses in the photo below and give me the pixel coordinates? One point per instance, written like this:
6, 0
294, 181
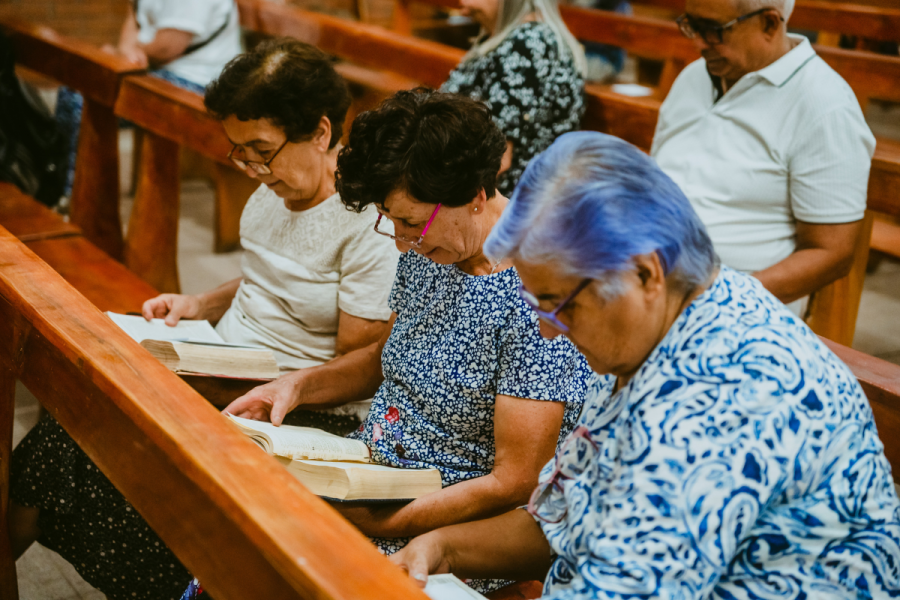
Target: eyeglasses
550, 317
570, 462
415, 243
711, 31
260, 168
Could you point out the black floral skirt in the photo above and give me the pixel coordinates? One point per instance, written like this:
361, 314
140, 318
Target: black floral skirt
85, 519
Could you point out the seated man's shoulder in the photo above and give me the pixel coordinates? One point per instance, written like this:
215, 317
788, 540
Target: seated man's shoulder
820, 89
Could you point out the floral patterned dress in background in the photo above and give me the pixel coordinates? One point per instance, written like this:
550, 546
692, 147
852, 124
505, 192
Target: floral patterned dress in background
535, 93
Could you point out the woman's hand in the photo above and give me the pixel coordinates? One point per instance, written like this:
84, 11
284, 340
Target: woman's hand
270, 402
423, 556
172, 308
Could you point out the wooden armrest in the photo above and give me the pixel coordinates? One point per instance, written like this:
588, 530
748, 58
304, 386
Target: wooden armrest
172, 113
884, 178
880, 381
366, 45
72, 62
28, 219
236, 518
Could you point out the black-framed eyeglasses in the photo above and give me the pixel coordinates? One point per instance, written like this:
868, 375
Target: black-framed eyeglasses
712, 32
550, 316
261, 168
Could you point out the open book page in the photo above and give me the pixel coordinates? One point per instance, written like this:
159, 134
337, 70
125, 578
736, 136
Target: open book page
302, 442
448, 587
140, 329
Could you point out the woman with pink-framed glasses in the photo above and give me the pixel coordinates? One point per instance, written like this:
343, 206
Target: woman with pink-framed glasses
464, 382
730, 454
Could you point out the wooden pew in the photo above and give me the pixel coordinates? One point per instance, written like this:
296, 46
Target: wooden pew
874, 20
172, 118
97, 76
235, 517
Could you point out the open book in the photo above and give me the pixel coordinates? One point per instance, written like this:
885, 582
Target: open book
194, 347
336, 467
448, 587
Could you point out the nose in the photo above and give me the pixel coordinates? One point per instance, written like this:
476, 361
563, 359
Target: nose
700, 44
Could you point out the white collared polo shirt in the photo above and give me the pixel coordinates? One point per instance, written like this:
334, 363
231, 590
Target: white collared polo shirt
785, 143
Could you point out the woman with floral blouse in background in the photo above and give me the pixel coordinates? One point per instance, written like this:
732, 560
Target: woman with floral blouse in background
530, 70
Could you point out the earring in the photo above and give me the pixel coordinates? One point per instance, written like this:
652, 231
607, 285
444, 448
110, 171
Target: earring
476, 210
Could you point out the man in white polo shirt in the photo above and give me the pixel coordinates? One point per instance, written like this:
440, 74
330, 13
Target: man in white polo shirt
770, 146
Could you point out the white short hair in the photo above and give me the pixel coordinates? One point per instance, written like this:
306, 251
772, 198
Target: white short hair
785, 7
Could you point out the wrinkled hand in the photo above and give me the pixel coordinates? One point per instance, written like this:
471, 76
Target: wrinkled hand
423, 556
172, 308
269, 402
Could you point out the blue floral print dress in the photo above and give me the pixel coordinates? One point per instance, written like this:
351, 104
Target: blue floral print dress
741, 461
457, 342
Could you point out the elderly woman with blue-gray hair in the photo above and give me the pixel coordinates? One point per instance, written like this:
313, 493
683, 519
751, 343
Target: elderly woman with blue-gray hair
725, 453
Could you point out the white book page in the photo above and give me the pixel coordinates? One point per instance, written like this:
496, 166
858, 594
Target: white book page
448, 587
140, 329
300, 443
345, 465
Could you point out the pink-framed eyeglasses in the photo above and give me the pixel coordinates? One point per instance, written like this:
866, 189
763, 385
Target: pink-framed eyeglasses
540, 504
411, 242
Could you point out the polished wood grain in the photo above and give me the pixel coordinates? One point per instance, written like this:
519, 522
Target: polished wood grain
833, 310
94, 204
173, 113
151, 250
105, 282
28, 219
369, 46
70, 61
235, 517
875, 19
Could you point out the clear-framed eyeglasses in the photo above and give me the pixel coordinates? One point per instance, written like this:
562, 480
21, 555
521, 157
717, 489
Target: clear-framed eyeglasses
576, 453
260, 168
387, 228
711, 31
550, 317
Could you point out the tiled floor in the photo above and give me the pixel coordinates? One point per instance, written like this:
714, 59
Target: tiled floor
43, 575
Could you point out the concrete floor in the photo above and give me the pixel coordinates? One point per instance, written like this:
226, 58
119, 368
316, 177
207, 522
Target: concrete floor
43, 575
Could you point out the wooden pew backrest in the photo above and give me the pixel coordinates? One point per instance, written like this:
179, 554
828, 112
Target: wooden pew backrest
235, 517
97, 76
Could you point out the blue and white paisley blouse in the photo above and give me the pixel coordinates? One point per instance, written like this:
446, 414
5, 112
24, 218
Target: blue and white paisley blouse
457, 342
741, 461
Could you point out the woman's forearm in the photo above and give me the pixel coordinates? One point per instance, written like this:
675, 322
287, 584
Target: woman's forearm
471, 500
509, 546
349, 378
214, 303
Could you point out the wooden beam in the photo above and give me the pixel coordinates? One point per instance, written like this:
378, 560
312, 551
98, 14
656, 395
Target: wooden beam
366, 45
235, 517
95, 190
72, 62
173, 113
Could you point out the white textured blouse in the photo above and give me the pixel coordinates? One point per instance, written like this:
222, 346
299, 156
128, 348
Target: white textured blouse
301, 268
786, 143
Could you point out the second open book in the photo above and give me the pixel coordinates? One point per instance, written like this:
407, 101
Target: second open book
336, 467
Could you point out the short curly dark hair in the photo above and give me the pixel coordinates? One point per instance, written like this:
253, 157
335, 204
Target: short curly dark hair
439, 148
286, 81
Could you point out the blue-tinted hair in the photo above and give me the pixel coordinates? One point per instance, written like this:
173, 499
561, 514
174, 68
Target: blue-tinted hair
590, 203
